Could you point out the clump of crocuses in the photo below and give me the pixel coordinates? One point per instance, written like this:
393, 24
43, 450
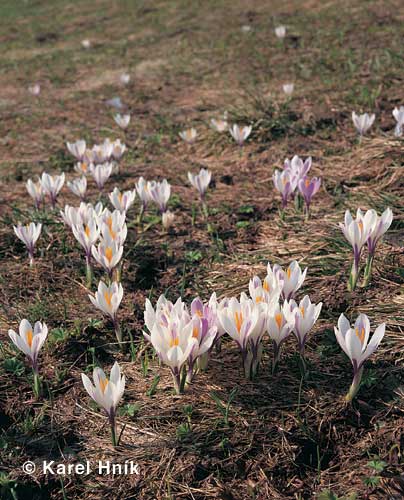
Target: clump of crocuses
367, 228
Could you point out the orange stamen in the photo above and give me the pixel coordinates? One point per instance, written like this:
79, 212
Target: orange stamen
238, 317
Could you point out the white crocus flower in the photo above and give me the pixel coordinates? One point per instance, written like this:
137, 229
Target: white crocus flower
35, 191
34, 89
107, 299
189, 136
106, 392
77, 149
51, 185
357, 232
244, 321
205, 334
219, 125
291, 279
356, 345
398, 114
108, 253
30, 340
124, 78
101, 153
280, 32
278, 328
143, 189
78, 187
113, 226
285, 184
160, 193
167, 219
303, 317
122, 201
122, 120
101, 173
240, 134
118, 149
83, 167
86, 44
288, 88
29, 235
362, 122
200, 181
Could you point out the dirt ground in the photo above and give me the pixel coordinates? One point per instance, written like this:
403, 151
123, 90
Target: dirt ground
285, 438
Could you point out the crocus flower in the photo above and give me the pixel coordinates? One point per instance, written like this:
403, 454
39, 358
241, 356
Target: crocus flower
205, 335
107, 299
51, 185
108, 253
118, 149
122, 120
285, 184
87, 234
363, 122
106, 392
171, 329
124, 78
297, 168
288, 88
160, 193
30, 340
29, 235
244, 321
278, 328
122, 201
143, 190
86, 44
101, 153
308, 188
208, 313
398, 114
290, 280
200, 181
78, 187
35, 191
357, 232
77, 149
240, 134
189, 136
266, 293
380, 227
113, 225
356, 345
280, 32
101, 174
34, 89
83, 168
303, 317
219, 125
167, 219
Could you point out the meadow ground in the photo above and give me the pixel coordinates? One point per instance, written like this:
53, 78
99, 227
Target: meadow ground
189, 62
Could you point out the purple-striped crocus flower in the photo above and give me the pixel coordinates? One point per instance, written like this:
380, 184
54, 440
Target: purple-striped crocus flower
308, 188
285, 184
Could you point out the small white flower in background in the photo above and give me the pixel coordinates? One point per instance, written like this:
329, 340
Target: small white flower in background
102, 153
118, 149
279, 329
240, 134
285, 183
87, 235
290, 280
297, 168
124, 78
115, 102
51, 185
189, 135
107, 299
86, 44
122, 120
143, 190
288, 88
29, 235
35, 191
356, 345
398, 114
246, 28
357, 232
30, 340
78, 187
219, 125
362, 122
101, 173
77, 149
108, 253
280, 32
160, 193
167, 219
205, 335
106, 393
113, 226
266, 293
34, 89
122, 201
200, 181
83, 168
302, 317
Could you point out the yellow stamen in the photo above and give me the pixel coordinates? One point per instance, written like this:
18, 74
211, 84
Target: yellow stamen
302, 311
30, 336
108, 298
238, 317
278, 319
258, 299
265, 286
108, 253
307, 183
87, 231
289, 272
174, 342
195, 332
360, 224
120, 197
84, 167
103, 384
361, 335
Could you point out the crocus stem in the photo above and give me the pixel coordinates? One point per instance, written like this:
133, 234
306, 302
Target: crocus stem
37, 384
368, 270
277, 353
177, 382
140, 216
31, 258
353, 277
89, 272
353, 390
118, 331
113, 430
190, 373
302, 363
307, 211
